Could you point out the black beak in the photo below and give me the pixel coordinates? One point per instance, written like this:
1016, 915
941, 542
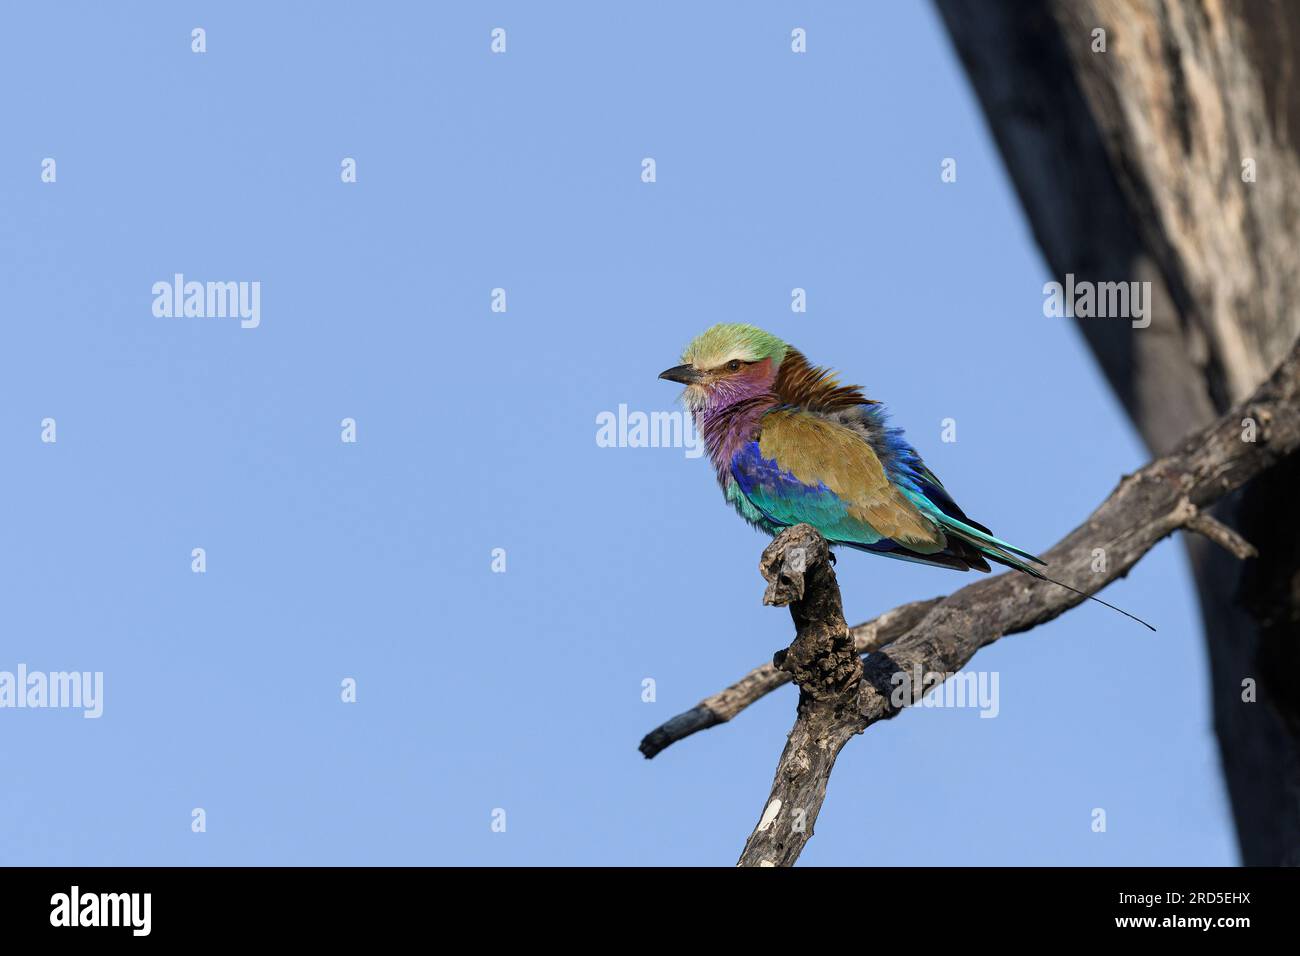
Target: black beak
686, 374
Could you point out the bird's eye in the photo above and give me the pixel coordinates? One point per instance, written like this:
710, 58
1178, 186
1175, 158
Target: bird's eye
733, 365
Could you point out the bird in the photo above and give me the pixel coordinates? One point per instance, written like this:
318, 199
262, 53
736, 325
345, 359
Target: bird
791, 445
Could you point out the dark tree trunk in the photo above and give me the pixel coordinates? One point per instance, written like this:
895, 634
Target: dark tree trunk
1129, 164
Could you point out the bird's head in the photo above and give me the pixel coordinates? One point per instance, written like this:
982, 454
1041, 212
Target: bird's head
727, 364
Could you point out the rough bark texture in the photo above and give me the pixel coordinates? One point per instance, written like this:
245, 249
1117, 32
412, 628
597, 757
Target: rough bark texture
722, 706
1129, 164
839, 697
828, 669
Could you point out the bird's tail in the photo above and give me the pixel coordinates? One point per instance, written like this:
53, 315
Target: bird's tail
1034, 572
995, 549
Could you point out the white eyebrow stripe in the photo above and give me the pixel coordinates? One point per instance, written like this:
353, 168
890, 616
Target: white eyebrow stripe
742, 354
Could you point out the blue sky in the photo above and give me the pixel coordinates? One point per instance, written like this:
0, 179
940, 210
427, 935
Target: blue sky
476, 430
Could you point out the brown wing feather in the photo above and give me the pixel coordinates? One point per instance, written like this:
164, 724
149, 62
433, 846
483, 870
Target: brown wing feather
819, 451
810, 386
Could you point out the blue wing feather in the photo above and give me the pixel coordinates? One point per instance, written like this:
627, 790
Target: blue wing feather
784, 500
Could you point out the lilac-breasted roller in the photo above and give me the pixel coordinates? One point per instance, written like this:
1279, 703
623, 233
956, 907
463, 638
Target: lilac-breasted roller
790, 445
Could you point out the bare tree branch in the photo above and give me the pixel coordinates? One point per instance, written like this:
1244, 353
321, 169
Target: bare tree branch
823, 661
837, 700
761, 681
1215, 530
